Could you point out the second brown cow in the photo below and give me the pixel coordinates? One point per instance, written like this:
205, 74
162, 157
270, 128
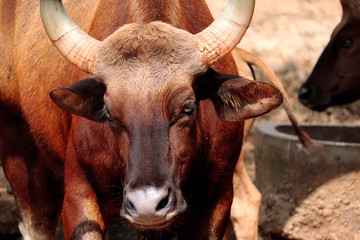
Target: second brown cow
336, 75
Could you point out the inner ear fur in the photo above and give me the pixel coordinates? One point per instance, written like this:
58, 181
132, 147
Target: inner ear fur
83, 98
236, 98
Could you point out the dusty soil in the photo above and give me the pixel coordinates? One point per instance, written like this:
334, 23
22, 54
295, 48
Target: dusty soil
329, 212
289, 35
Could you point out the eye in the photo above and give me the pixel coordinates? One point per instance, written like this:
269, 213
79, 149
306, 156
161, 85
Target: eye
108, 116
346, 43
189, 108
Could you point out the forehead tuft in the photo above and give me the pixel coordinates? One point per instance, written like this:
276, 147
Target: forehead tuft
144, 60
154, 43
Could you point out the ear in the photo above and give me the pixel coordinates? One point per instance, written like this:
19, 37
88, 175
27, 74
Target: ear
83, 98
236, 98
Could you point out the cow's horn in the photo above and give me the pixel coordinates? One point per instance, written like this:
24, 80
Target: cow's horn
226, 31
73, 43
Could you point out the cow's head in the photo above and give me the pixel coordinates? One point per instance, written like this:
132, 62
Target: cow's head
149, 82
335, 78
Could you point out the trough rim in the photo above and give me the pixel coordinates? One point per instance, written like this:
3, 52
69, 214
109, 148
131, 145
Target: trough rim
269, 128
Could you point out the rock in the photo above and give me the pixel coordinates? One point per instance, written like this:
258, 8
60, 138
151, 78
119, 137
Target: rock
8, 209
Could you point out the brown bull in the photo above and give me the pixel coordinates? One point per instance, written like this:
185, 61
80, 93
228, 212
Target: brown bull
154, 134
335, 78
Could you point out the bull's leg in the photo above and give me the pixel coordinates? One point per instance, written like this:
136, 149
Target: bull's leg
81, 213
32, 188
82, 218
38, 216
246, 204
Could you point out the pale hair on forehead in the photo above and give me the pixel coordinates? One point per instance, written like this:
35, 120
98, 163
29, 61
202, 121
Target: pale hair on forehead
148, 55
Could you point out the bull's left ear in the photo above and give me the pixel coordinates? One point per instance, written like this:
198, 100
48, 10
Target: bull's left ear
83, 98
236, 98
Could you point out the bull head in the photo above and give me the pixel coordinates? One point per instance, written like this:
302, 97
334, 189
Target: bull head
153, 87
334, 79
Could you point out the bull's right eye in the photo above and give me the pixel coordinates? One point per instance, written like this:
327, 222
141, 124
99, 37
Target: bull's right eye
184, 113
189, 108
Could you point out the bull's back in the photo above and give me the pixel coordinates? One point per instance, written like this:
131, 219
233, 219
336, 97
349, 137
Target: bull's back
32, 67
8, 86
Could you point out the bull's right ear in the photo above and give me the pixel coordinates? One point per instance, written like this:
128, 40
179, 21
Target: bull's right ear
83, 98
236, 98
240, 99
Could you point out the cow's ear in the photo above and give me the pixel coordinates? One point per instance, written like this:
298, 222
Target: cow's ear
83, 98
240, 99
236, 98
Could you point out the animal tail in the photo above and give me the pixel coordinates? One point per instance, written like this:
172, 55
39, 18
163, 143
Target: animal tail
254, 60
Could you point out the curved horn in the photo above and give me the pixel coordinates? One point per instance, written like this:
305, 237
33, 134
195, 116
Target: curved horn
74, 44
226, 31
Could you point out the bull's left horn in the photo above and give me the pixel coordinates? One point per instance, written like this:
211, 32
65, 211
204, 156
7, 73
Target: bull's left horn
73, 43
226, 31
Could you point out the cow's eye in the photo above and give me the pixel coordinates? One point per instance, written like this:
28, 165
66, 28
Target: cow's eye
346, 43
189, 108
108, 116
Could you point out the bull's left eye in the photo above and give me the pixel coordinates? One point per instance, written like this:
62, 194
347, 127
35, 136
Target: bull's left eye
346, 43
108, 116
189, 108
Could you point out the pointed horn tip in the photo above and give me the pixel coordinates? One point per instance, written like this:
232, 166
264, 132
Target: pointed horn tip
227, 30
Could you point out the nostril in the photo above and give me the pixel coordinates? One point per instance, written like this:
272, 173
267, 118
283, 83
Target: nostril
130, 207
163, 204
148, 202
304, 93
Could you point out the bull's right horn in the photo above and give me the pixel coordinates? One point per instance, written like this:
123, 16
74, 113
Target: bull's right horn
226, 31
74, 44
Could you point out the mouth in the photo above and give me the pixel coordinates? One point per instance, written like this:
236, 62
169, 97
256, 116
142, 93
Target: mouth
152, 223
147, 225
319, 108
158, 226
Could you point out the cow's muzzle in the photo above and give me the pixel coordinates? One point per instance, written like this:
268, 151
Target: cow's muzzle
314, 99
151, 207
